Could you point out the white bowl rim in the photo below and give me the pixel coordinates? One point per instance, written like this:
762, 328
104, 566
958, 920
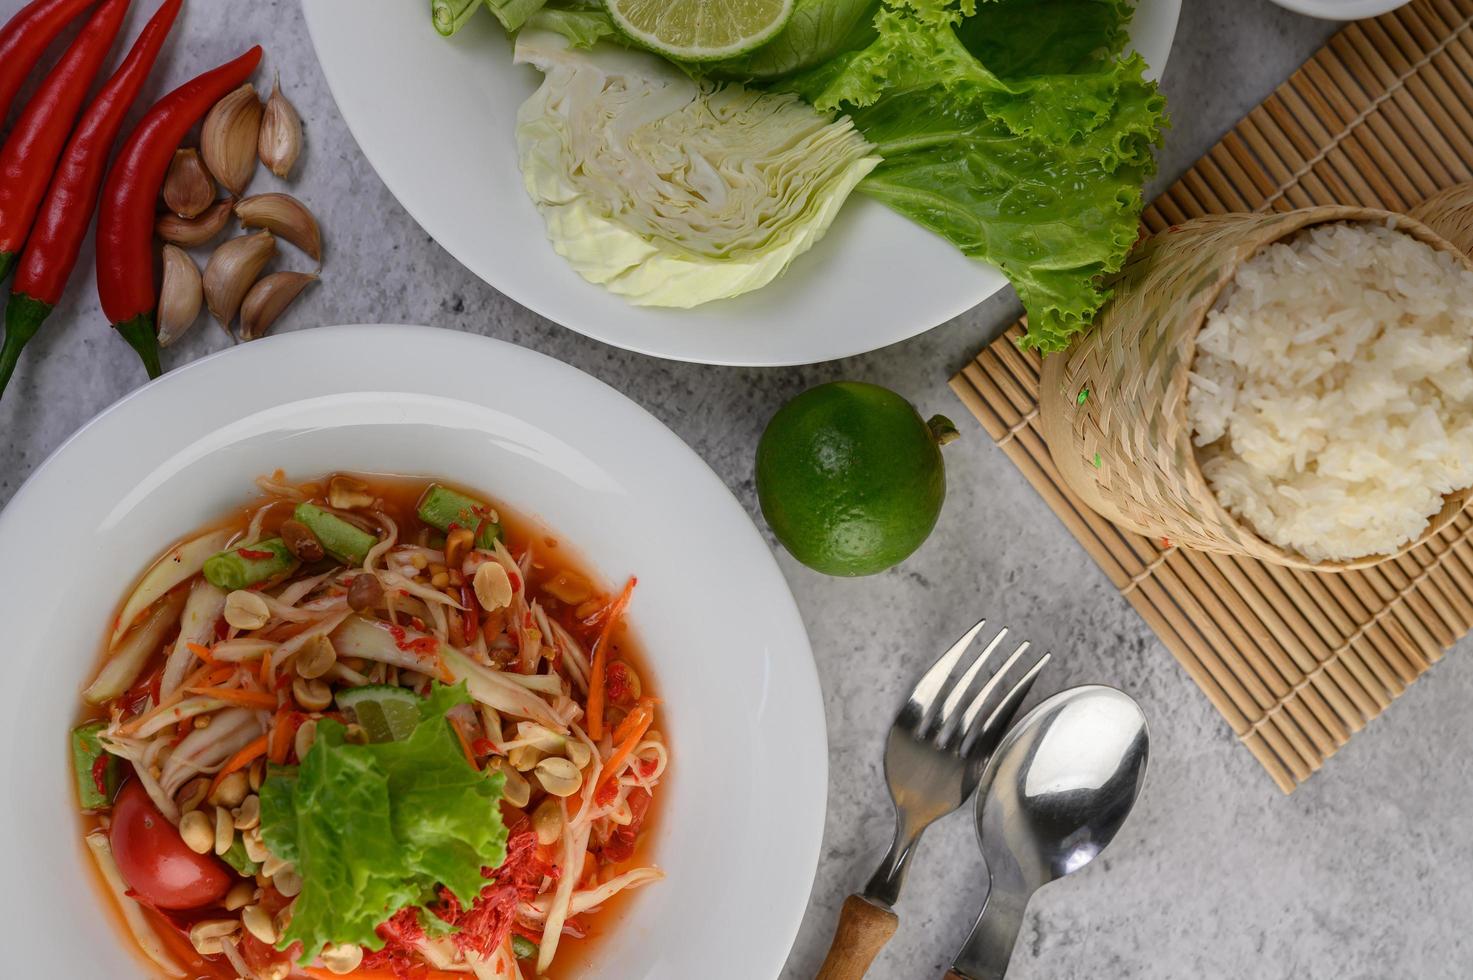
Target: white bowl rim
1341, 9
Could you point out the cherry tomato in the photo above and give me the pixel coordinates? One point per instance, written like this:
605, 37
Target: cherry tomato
155, 861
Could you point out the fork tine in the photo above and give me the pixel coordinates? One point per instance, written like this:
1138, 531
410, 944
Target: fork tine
923, 698
1002, 715
964, 683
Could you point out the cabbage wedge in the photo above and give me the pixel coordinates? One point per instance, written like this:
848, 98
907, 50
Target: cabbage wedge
673, 192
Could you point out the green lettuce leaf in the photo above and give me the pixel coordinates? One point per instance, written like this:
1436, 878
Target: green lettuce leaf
514, 13
1037, 173
373, 828
583, 28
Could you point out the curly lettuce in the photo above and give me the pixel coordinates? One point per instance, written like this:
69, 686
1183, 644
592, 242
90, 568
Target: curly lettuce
1017, 129
375, 828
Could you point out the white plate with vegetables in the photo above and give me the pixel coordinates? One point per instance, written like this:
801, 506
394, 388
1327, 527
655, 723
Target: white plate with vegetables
266, 677
653, 188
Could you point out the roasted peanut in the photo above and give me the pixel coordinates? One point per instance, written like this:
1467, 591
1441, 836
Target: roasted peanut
300, 541
314, 695
198, 831
232, 789
365, 592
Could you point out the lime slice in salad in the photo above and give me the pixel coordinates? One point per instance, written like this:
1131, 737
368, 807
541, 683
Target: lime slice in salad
386, 713
700, 30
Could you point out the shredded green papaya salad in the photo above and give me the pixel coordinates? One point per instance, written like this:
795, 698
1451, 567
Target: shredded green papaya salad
370, 727
1020, 130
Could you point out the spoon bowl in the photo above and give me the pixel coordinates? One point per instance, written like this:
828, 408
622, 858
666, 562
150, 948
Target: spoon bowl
1057, 791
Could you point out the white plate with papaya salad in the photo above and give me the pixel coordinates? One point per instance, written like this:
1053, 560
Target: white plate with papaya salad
401, 669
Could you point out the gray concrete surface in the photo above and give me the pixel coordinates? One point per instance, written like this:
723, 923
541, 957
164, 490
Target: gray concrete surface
1364, 874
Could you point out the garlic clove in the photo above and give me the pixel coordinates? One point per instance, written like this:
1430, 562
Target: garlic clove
188, 187
197, 231
232, 270
281, 133
268, 299
284, 216
228, 140
181, 297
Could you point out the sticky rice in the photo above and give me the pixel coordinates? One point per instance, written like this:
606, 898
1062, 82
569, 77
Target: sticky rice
1331, 398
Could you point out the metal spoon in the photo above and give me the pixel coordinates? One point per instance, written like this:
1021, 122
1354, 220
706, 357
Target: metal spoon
1058, 789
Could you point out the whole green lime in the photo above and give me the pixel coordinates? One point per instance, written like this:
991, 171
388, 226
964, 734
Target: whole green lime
851, 478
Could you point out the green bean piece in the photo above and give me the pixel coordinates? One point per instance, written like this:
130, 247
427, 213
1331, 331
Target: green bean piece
98, 771
449, 16
340, 539
248, 565
443, 508
523, 948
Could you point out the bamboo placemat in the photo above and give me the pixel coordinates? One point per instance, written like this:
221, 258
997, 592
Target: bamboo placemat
1296, 661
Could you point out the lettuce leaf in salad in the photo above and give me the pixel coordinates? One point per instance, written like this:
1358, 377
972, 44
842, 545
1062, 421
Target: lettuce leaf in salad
374, 828
1032, 160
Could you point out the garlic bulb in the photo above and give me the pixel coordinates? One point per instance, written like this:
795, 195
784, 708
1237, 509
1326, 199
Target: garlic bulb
188, 187
281, 133
228, 140
181, 297
232, 270
268, 299
196, 231
284, 216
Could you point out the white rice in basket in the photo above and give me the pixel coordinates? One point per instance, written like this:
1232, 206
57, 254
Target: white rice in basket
1331, 397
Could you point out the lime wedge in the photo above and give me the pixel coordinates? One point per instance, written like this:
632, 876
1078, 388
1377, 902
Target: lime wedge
700, 30
386, 713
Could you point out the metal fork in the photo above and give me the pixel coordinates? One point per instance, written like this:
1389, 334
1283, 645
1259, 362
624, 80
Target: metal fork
934, 756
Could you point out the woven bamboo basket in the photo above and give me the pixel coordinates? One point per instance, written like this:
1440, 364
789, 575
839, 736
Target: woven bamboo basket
1125, 447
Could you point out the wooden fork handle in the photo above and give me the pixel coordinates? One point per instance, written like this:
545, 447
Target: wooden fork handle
864, 929
953, 975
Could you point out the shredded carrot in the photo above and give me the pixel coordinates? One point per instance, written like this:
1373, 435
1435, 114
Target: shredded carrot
634, 726
216, 676
266, 674
465, 746
378, 973
201, 651
233, 695
240, 760
201, 676
641, 716
600, 662
282, 733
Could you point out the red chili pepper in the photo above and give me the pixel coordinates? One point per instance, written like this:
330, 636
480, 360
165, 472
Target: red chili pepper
251, 554
61, 224
29, 155
125, 256
26, 36
99, 773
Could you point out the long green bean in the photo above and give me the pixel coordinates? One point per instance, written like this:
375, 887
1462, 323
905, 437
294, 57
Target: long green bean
443, 509
450, 15
340, 539
241, 568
